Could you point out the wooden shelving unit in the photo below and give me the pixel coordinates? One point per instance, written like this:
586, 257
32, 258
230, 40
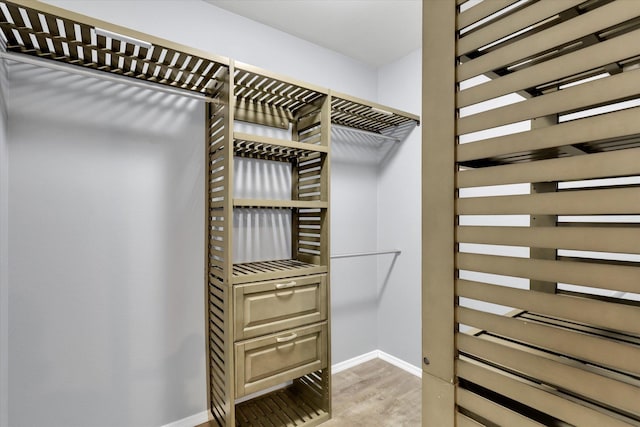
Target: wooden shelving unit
307, 113
260, 97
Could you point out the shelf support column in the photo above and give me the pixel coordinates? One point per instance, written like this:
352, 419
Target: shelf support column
438, 213
543, 220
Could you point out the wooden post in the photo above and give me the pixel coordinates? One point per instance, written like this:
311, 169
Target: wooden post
543, 220
438, 190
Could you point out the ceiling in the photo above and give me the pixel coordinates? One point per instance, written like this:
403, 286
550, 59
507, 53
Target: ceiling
375, 32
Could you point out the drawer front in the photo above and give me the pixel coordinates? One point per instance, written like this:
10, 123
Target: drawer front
271, 360
268, 307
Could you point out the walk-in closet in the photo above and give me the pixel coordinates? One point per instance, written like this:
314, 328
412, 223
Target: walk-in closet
193, 239
274, 213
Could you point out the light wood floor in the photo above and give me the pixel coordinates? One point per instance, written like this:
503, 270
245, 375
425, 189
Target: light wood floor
375, 394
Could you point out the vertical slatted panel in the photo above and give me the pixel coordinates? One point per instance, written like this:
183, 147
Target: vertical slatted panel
308, 236
547, 270
219, 119
310, 226
326, 114
309, 171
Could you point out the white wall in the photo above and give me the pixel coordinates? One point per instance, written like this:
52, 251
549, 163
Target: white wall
353, 229
399, 219
106, 195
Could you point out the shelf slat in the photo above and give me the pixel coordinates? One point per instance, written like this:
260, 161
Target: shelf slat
537, 396
274, 409
554, 371
247, 145
594, 131
481, 11
492, 411
618, 201
619, 278
598, 165
590, 348
273, 270
585, 238
566, 32
518, 21
279, 204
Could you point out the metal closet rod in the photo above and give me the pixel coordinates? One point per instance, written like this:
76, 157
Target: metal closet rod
101, 75
356, 254
366, 132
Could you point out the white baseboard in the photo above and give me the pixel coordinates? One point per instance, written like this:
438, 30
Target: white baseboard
191, 421
377, 354
405, 366
354, 361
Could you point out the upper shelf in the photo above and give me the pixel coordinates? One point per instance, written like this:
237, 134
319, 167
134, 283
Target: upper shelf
48, 32
247, 145
40, 30
275, 99
266, 98
368, 116
279, 204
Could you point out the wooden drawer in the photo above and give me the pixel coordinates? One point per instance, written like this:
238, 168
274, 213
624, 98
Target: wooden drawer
267, 307
271, 360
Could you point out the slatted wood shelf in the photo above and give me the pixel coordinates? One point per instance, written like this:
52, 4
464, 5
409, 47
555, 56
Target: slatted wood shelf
279, 204
360, 114
284, 407
277, 269
56, 34
561, 151
254, 146
597, 378
273, 100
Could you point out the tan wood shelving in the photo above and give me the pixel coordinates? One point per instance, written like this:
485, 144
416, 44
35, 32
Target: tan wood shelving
276, 269
279, 204
369, 116
51, 33
245, 355
284, 407
260, 147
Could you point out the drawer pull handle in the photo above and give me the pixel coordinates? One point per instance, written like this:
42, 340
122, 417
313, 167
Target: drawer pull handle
285, 285
291, 337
